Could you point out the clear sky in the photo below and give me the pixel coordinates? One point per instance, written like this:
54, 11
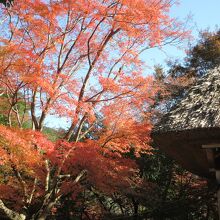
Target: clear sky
205, 14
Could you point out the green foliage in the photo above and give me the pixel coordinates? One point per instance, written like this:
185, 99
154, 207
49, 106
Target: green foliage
3, 119
201, 57
205, 54
53, 134
181, 195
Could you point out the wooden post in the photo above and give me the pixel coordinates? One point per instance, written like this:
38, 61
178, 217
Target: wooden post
217, 174
213, 157
218, 198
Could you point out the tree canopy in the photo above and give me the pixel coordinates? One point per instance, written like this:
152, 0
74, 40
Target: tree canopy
79, 60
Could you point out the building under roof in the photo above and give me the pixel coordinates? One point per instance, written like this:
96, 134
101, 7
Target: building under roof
190, 132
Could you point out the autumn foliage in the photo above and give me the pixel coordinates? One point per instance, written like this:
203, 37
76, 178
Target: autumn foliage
79, 60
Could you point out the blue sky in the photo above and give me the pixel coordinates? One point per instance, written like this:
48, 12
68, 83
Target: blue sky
205, 14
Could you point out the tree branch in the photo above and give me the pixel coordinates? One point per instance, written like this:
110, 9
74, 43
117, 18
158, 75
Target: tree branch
10, 213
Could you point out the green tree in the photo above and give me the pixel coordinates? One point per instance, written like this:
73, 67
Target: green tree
174, 82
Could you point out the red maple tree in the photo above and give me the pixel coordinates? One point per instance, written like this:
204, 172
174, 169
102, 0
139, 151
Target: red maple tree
79, 60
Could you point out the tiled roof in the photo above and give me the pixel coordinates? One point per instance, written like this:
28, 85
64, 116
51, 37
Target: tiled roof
200, 107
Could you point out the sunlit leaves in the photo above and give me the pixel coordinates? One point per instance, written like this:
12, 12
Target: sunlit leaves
79, 60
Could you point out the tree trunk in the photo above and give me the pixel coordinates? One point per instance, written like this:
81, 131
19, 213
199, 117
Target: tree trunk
135, 205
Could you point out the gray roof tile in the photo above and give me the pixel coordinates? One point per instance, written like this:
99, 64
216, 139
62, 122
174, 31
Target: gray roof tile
200, 108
